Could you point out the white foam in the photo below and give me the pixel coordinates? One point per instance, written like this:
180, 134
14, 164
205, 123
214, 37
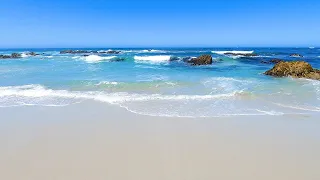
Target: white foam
24, 55
37, 94
96, 58
304, 108
152, 58
274, 113
234, 52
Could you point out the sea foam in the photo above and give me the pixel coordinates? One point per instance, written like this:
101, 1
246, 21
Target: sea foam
36, 93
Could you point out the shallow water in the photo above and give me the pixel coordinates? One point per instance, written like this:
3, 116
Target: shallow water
157, 82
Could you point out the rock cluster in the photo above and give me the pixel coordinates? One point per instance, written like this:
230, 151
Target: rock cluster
12, 56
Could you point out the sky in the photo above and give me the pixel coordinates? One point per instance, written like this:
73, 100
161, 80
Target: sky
159, 23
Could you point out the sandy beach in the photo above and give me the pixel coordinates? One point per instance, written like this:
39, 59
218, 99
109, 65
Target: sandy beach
97, 141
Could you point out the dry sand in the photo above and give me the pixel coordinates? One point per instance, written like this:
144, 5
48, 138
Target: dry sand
95, 141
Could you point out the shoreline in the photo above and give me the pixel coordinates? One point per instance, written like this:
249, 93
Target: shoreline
93, 140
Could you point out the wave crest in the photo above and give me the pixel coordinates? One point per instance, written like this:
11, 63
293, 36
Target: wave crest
96, 58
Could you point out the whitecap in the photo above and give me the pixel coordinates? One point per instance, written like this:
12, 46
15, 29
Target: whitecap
96, 58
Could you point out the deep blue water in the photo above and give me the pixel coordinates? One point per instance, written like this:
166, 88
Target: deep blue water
153, 83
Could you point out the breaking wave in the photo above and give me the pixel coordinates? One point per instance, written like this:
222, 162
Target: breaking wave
233, 102
96, 58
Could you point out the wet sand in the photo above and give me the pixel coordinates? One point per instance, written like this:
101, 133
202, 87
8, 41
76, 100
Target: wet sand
96, 141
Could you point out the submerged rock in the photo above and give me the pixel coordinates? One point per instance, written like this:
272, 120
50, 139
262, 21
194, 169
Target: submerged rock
118, 59
296, 55
174, 58
113, 52
275, 61
272, 61
265, 62
201, 60
296, 69
186, 59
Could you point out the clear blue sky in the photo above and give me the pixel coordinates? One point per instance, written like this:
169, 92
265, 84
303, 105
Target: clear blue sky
147, 23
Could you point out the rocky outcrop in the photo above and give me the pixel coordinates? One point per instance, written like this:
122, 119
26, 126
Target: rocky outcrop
296, 69
12, 56
31, 54
201, 60
296, 55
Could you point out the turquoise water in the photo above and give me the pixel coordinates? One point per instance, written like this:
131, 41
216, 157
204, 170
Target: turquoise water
158, 82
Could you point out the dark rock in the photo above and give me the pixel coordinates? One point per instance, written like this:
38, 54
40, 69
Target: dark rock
113, 52
265, 62
117, 59
296, 69
5, 56
15, 55
275, 61
202, 60
241, 54
31, 54
12, 56
186, 59
296, 55
174, 58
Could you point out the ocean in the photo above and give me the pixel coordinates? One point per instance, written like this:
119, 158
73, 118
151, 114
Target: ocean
157, 82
